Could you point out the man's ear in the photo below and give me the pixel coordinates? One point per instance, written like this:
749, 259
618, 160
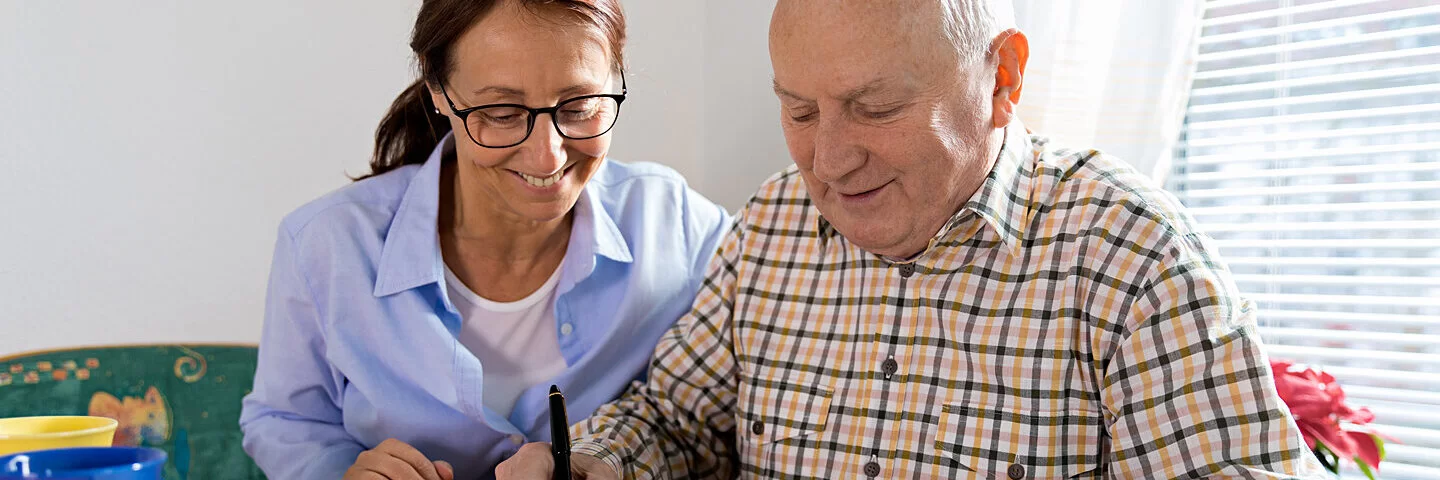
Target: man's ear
1011, 51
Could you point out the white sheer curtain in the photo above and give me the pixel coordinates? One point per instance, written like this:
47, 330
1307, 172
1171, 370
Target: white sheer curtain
1110, 74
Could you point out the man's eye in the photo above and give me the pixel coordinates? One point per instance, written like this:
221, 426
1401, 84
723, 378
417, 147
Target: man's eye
882, 113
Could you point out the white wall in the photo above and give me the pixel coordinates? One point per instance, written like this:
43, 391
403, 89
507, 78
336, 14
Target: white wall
662, 118
149, 149
700, 85
743, 143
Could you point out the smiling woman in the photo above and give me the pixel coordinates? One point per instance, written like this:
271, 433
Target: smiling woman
416, 317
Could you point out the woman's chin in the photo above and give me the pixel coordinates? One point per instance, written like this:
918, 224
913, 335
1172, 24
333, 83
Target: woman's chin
546, 211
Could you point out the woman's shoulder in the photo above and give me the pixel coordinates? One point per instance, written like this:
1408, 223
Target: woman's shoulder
370, 202
619, 174
643, 198
648, 186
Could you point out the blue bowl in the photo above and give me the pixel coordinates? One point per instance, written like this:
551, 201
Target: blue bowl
87, 463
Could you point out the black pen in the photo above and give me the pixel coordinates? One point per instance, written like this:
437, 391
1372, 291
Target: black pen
559, 434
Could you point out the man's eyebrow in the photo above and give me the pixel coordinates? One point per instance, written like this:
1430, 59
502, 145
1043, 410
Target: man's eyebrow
863, 90
850, 96
781, 91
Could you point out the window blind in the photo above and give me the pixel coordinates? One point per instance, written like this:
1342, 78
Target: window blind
1311, 153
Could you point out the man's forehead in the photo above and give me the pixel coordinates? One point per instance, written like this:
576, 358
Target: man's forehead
850, 38
871, 20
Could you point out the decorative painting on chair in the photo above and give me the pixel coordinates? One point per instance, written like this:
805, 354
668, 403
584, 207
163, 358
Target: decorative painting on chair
184, 399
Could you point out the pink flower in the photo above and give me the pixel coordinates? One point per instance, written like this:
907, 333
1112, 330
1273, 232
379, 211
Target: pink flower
1318, 405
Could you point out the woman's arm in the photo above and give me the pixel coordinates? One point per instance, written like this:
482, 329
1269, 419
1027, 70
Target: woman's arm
292, 422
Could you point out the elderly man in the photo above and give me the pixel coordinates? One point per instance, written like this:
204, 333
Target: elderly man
931, 292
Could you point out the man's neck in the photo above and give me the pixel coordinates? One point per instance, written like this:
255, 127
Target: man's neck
913, 248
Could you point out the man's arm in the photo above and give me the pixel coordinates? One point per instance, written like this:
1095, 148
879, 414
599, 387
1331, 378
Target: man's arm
681, 422
1189, 392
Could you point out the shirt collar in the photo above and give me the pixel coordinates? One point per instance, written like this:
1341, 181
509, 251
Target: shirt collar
1002, 201
593, 234
411, 255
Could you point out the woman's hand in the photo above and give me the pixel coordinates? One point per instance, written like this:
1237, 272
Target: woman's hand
396, 460
535, 462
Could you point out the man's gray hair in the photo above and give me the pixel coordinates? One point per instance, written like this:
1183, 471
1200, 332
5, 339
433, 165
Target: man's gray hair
971, 24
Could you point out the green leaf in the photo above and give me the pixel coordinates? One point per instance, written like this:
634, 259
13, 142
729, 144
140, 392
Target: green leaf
1379, 442
1364, 469
1328, 458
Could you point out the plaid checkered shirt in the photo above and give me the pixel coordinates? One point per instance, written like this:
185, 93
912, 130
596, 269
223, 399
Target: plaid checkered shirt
1069, 320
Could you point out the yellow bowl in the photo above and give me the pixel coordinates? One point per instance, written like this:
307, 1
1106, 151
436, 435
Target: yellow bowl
24, 434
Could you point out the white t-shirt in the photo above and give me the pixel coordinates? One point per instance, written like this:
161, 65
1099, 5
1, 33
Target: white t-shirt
515, 341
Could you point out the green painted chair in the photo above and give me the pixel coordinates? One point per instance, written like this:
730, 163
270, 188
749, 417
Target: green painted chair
184, 399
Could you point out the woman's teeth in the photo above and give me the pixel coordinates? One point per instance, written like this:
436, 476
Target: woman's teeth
542, 181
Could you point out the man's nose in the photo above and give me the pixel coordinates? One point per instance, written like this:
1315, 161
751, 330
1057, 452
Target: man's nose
837, 149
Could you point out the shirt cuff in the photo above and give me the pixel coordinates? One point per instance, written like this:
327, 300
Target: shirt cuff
595, 449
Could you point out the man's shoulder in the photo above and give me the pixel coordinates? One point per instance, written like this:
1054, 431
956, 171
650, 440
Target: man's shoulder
781, 205
1092, 183
785, 185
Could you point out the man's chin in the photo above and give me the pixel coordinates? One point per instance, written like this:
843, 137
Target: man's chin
873, 236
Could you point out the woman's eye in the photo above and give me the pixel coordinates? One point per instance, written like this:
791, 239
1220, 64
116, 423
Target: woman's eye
577, 113
502, 117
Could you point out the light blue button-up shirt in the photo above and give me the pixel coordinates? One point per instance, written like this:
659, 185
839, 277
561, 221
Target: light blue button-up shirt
359, 343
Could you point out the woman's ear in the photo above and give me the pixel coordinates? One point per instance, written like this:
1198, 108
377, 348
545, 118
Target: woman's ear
438, 105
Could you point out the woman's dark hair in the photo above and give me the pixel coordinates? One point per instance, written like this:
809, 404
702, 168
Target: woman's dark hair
411, 129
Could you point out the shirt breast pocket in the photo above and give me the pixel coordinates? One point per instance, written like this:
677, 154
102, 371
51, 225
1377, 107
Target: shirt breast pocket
781, 420
1001, 443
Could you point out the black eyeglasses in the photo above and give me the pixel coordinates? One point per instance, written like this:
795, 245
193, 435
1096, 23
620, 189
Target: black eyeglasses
503, 125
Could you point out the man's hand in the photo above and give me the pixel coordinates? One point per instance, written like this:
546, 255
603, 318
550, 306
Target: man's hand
534, 462
396, 460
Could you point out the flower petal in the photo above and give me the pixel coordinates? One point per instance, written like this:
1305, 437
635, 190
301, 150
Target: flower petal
1307, 431
1328, 432
1366, 448
1360, 416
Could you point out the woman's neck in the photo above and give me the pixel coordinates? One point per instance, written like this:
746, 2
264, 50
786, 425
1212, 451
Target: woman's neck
496, 253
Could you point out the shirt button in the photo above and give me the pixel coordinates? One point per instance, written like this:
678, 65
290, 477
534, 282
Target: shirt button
566, 329
757, 428
517, 439
889, 367
1016, 471
907, 269
872, 469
